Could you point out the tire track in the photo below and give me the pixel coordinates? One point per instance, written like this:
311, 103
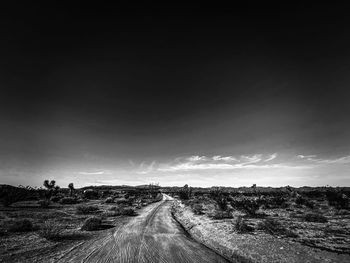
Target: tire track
153, 236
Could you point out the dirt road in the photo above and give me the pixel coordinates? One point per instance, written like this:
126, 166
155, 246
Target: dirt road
153, 236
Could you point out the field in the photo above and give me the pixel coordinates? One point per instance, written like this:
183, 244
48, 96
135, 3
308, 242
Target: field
268, 225
41, 229
250, 224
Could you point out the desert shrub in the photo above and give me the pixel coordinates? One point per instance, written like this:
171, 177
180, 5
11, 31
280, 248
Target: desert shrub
92, 223
91, 194
114, 208
44, 203
18, 225
122, 202
222, 215
68, 201
86, 209
300, 200
241, 225
115, 211
278, 201
50, 230
249, 206
3, 232
109, 200
111, 213
221, 202
274, 227
185, 192
128, 211
314, 217
56, 198
106, 193
314, 193
337, 199
342, 212
11, 194
197, 209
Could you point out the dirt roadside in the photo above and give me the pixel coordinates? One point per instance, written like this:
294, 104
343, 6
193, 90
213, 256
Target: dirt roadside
220, 236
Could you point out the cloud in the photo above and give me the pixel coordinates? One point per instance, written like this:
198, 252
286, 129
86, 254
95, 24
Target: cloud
93, 173
305, 156
251, 158
314, 159
272, 157
196, 158
218, 162
145, 169
222, 166
224, 158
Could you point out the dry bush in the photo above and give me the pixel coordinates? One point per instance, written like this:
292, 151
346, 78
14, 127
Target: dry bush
56, 198
110, 214
12, 194
222, 215
338, 199
314, 217
45, 203
198, 209
342, 212
185, 192
51, 230
92, 223
18, 225
274, 227
122, 202
86, 209
115, 211
68, 201
91, 194
128, 211
300, 200
249, 206
109, 200
241, 225
277, 201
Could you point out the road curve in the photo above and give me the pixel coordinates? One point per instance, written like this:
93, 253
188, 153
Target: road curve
153, 236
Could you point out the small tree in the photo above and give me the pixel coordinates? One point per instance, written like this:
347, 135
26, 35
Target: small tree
71, 189
51, 189
222, 202
185, 192
254, 188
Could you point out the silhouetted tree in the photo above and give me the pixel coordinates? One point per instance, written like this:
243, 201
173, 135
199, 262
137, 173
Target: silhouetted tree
51, 188
185, 192
71, 189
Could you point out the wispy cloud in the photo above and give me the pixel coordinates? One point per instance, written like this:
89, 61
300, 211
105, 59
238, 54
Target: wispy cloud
222, 166
145, 169
195, 158
94, 173
243, 162
314, 159
218, 162
272, 157
224, 158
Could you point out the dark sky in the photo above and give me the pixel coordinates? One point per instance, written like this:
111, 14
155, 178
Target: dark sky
86, 89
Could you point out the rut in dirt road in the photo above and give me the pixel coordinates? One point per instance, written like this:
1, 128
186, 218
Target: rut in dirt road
153, 236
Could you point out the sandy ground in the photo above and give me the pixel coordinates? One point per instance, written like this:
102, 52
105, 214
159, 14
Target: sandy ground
153, 236
254, 247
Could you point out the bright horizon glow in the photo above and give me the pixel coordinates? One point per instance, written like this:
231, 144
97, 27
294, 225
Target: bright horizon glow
273, 170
